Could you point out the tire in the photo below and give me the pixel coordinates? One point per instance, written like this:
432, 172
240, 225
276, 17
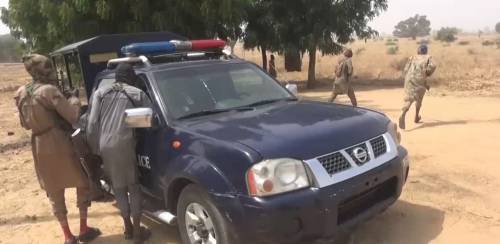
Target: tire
193, 199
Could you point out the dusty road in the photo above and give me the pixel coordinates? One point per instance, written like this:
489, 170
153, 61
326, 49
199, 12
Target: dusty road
452, 195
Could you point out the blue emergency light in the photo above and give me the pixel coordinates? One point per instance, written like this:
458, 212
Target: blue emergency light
146, 48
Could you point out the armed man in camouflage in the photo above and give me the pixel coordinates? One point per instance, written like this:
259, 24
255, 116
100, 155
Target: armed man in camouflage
45, 111
416, 72
343, 74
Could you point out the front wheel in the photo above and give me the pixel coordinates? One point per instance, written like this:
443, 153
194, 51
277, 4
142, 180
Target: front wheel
200, 222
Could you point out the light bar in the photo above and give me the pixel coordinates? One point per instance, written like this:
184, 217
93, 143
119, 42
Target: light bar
145, 48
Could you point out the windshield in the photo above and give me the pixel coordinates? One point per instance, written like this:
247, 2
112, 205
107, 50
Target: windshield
216, 87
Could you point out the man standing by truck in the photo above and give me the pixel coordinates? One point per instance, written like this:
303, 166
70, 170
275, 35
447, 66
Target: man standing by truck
416, 72
45, 111
115, 143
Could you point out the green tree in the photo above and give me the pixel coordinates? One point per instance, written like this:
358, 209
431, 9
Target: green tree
497, 27
10, 49
447, 34
47, 24
260, 29
322, 25
413, 27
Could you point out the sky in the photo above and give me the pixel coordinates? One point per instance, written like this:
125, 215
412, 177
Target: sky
3, 28
467, 15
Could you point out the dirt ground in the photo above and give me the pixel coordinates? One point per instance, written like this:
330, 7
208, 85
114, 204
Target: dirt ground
451, 196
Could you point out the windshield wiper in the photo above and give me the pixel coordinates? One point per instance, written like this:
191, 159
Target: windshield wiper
214, 111
268, 101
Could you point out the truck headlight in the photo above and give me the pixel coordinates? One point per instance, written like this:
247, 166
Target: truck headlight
275, 176
392, 128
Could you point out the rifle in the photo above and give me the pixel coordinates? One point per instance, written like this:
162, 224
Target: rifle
91, 164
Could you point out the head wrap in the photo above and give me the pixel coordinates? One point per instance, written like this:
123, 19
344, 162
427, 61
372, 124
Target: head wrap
348, 52
125, 73
40, 68
422, 49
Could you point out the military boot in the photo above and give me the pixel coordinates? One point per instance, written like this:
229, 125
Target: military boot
402, 124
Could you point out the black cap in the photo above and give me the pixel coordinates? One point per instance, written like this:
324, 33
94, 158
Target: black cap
125, 73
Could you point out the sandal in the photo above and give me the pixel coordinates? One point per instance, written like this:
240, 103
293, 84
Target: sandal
90, 235
129, 235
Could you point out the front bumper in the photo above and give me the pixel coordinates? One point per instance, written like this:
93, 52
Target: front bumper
316, 213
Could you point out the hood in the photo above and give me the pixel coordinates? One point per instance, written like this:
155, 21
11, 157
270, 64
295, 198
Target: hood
301, 130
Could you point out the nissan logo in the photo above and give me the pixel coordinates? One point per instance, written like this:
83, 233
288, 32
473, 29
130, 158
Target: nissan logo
360, 154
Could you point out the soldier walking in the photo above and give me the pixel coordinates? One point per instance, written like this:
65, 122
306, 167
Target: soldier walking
115, 143
343, 75
416, 72
45, 111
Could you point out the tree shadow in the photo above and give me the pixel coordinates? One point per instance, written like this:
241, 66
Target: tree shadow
19, 220
162, 233
404, 222
453, 122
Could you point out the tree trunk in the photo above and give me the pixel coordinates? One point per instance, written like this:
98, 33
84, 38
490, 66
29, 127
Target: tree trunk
264, 58
293, 61
311, 73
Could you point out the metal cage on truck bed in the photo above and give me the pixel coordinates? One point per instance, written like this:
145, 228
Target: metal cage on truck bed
77, 64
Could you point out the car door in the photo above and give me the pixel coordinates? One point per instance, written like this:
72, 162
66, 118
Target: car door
153, 149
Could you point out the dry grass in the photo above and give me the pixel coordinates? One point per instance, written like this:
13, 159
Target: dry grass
12, 76
456, 63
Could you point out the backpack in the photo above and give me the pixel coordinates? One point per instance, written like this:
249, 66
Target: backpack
26, 112
25, 106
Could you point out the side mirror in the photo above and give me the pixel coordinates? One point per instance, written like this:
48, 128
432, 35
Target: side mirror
139, 118
292, 88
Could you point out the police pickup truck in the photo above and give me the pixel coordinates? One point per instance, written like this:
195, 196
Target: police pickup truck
231, 156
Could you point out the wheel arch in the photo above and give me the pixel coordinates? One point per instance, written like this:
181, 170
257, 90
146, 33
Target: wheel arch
195, 170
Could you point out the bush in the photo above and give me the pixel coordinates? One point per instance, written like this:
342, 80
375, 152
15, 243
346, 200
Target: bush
463, 43
488, 43
447, 34
399, 64
392, 50
423, 42
390, 43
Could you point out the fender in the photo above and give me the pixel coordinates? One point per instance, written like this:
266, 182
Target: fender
189, 168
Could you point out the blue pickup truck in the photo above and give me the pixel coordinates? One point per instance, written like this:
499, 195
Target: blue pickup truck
231, 156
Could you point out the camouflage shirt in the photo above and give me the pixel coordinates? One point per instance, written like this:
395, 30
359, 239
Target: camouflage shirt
416, 72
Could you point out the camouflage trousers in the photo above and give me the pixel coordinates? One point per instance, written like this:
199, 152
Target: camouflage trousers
416, 96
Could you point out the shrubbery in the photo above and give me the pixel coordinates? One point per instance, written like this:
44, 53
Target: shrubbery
392, 50
488, 43
447, 34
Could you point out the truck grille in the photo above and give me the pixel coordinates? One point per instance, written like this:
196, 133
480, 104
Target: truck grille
351, 153
334, 163
379, 146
